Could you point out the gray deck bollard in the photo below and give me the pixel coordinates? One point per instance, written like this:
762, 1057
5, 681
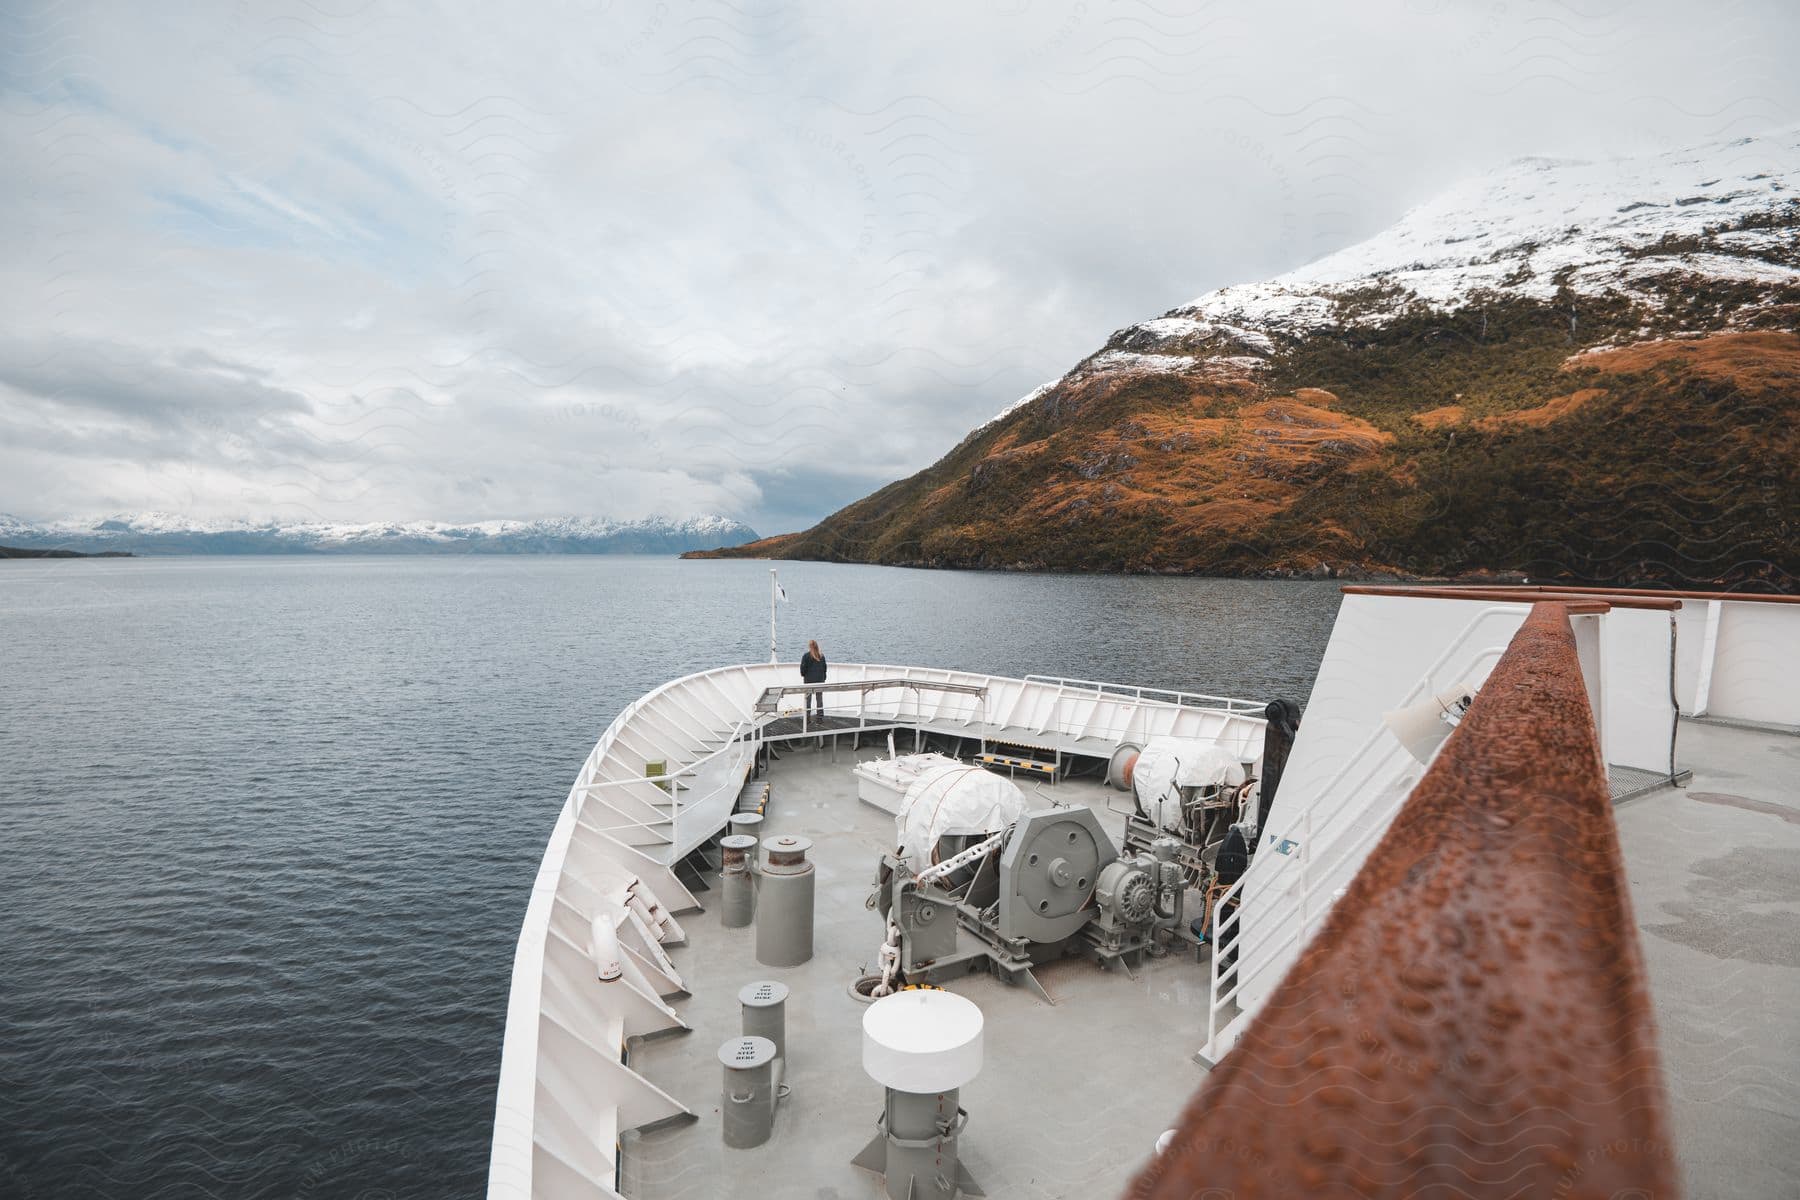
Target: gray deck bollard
764, 1005
737, 887
747, 823
748, 1102
784, 903
750, 825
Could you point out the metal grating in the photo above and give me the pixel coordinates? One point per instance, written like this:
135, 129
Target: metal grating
1627, 783
782, 728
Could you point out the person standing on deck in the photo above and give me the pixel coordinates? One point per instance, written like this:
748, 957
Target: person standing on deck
812, 670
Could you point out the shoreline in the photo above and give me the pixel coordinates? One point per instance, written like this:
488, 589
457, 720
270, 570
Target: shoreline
27, 552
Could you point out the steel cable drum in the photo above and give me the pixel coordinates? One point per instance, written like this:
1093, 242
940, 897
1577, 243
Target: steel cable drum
953, 799
1049, 870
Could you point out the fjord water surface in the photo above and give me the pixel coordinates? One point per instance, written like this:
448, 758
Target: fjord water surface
269, 825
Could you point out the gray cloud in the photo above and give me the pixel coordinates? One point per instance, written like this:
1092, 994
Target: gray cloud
760, 259
184, 388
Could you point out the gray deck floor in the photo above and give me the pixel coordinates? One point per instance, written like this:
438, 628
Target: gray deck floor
1715, 888
1072, 1097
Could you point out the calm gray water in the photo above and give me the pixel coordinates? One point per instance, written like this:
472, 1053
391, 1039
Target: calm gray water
268, 826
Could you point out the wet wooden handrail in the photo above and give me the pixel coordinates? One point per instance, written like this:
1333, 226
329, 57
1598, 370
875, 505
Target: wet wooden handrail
1472, 1019
1521, 594
1528, 592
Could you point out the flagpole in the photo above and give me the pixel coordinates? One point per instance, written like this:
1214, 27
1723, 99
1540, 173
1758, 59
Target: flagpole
772, 586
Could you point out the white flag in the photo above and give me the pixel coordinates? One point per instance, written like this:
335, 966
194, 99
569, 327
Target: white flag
781, 591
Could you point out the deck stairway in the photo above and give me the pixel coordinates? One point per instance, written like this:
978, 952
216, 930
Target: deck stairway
753, 797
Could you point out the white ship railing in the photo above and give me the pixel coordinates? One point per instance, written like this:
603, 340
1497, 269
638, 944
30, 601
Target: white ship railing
1316, 851
1061, 716
1715, 656
1232, 704
1739, 655
671, 782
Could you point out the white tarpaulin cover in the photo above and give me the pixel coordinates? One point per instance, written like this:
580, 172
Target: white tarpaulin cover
954, 799
1166, 765
900, 772
882, 782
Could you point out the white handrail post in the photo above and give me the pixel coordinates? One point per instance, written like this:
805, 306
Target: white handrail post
1306, 871
1709, 651
773, 585
1212, 982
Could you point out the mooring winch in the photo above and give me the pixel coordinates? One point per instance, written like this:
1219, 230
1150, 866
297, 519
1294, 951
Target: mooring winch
978, 882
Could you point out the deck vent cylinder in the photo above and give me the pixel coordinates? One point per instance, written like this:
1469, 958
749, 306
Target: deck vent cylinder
764, 1005
737, 887
748, 1102
784, 902
922, 1045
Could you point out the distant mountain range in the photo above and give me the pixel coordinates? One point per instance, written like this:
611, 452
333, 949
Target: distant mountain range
167, 533
1574, 370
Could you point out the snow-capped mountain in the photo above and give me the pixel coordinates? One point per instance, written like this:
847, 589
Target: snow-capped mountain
1540, 225
1571, 370
153, 532
1633, 228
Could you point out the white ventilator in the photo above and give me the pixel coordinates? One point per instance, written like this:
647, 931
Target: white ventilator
922, 1046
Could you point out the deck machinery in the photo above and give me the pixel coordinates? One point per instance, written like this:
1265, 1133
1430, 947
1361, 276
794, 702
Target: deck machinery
1048, 884
1188, 791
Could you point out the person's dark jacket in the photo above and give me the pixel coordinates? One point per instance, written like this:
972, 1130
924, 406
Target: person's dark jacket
812, 670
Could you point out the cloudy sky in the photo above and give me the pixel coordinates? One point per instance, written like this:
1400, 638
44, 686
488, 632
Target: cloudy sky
365, 260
